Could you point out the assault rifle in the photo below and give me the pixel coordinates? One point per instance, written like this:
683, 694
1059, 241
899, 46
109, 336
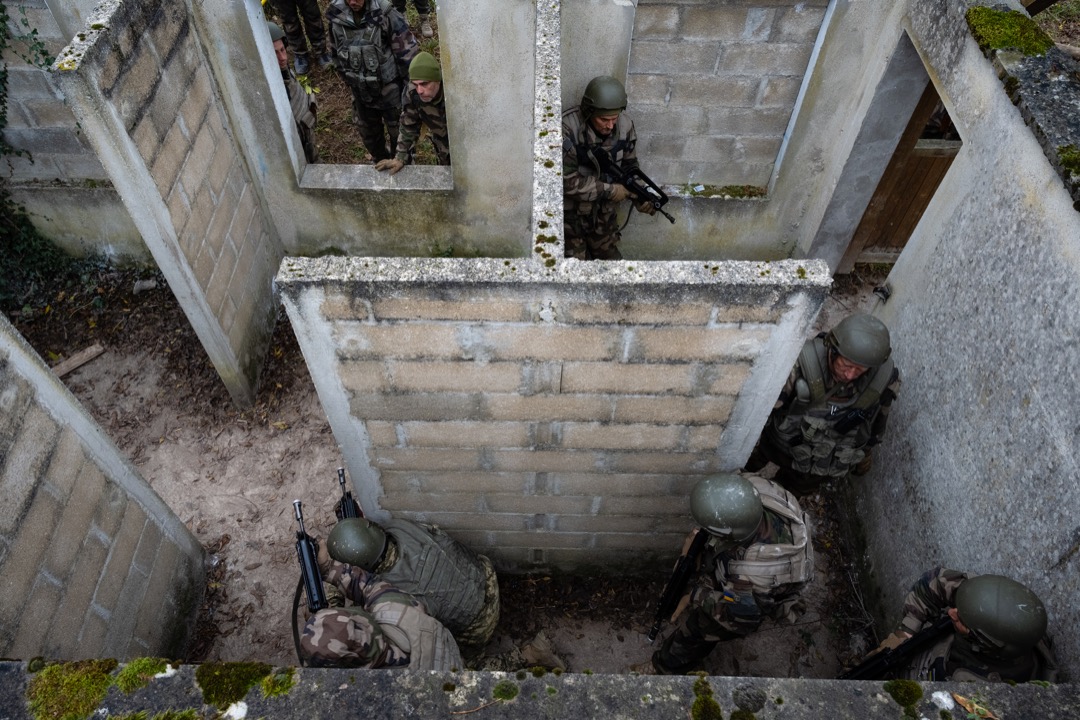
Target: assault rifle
878, 665
310, 576
638, 183
676, 584
347, 506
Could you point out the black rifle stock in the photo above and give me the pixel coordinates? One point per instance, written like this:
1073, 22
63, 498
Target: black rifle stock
878, 665
307, 554
685, 566
347, 507
637, 182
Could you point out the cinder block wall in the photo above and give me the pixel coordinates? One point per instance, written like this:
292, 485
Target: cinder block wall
550, 418
144, 92
92, 562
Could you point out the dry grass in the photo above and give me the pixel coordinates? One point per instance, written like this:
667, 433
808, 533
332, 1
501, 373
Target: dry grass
1061, 22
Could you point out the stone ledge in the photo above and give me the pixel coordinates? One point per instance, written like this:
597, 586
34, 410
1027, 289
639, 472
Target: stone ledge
332, 693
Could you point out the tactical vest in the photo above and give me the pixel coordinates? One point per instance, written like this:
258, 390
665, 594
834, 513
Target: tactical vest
364, 59
443, 574
775, 568
615, 145
824, 435
948, 659
429, 644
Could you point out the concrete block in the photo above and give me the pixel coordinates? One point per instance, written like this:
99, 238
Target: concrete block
217, 237
608, 484
673, 410
554, 505
726, 23
757, 151
110, 510
653, 344
36, 616
62, 635
226, 317
779, 91
91, 640
179, 211
47, 112
743, 122
24, 466
647, 89
799, 23
546, 408
168, 158
651, 507
644, 313
25, 556
550, 343
704, 146
491, 521
364, 376
630, 541
80, 167
26, 83
542, 539
204, 267
198, 159
202, 210
169, 95
703, 438
160, 587
541, 461
149, 544
685, 58
445, 406
52, 140
617, 378
686, 121
74, 522
197, 101
139, 79
494, 309
656, 22
449, 481
398, 340
765, 58
727, 90
429, 459
65, 464
23, 169
665, 463
411, 502
465, 434
631, 436
461, 376
16, 398
345, 307
246, 219
169, 25
541, 378
727, 379
383, 434
121, 554
603, 524
224, 158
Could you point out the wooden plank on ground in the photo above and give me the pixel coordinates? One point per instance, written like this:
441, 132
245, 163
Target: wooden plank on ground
79, 359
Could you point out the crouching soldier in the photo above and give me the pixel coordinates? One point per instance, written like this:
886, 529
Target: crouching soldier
384, 628
756, 560
456, 585
301, 101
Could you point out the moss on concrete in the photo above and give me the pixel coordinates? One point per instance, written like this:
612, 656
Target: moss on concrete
138, 673
1012, 29
505, 691
223, 684
705, 706
734, 192
1070, 158
70, 691
278, 684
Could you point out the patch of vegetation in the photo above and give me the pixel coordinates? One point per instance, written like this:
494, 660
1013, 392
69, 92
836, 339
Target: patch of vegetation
1070, 158
733, 192
71, 690
505, 691
138, 673
1012, 29
705, 706
223, 684
163, 715
278, 684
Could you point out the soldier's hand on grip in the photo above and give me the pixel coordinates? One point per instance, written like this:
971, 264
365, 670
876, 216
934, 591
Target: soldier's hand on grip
619, 193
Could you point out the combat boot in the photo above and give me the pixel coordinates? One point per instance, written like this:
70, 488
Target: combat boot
301, 64
425, 26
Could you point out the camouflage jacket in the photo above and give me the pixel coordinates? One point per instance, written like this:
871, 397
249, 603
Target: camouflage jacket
415, 113
372, 48
585, 190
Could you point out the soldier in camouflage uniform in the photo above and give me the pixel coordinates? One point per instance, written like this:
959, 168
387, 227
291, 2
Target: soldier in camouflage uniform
998, 631
424, 104
590, 197
423, 9
833, 408
301, 101
383, 628
372, 48
757, 559
300, 18
456, 585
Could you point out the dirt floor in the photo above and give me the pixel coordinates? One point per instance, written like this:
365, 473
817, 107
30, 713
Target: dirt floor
232, 476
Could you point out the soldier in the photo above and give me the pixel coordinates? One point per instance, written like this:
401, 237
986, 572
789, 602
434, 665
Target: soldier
372, 48
998, 630
833, 408
756, 561
456, 585
590, 198
383, 628
424, 104
301, 101
423, 9
291, 13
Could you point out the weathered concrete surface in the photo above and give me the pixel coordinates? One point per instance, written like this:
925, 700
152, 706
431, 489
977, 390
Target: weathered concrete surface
402, 694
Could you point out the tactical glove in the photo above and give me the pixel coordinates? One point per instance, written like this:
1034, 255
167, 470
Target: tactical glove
864, 465
619, 193
645, 207
393, 165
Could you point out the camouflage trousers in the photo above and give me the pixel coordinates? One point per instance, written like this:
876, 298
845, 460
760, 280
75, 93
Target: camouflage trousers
479, 631
378, 121
423, 7
697, 634
291, 13
587, 239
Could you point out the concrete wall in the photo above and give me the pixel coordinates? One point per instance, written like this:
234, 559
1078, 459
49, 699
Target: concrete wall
146, 97
93, 564
550, 418
979, 472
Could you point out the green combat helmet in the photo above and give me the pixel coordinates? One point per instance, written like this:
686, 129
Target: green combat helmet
728, 506
1005, 618
276, 33
603, 94
357, 541
862, 339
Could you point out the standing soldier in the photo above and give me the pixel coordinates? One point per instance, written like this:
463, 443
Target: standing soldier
756, 560
590, 197
997, 634
424, 104
372, 48
294, 12
423, 9
301, 101
833, 408
456, 585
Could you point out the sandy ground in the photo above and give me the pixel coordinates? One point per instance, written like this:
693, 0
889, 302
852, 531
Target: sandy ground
232, 477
